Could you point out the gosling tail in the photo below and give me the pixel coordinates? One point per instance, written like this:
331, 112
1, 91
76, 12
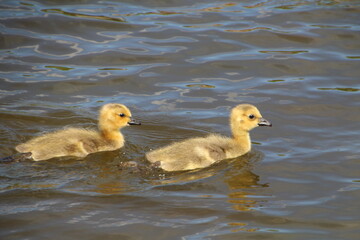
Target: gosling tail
16, 157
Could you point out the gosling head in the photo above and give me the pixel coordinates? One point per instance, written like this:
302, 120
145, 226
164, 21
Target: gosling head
246, 117
115, 116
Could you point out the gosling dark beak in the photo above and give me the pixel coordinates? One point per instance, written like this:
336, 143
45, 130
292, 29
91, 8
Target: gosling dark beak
264, 122
134, 122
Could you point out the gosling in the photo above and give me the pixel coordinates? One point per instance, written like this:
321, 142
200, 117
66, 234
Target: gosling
201, 152
79, 142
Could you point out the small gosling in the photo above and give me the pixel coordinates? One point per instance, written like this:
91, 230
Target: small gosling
79, 142
201, 152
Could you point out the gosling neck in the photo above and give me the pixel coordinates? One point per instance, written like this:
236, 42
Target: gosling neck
242, 138
111, 134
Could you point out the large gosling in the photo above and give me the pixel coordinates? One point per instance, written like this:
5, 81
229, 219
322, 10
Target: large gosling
79, 142
201, 152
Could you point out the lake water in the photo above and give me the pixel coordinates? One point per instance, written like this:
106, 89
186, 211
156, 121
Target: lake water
180, 66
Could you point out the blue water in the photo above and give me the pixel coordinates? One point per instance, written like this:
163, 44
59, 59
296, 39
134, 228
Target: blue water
180, 67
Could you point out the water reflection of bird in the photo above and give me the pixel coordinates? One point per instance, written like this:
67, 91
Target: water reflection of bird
245, 189
80, 142
203, 151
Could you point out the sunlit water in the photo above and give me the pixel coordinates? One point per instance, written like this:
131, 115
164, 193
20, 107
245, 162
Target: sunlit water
181, 66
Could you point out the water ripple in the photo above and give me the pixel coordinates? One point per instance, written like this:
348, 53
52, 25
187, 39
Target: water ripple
180, 67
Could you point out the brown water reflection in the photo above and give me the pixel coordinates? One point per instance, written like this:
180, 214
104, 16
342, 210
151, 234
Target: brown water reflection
181, 66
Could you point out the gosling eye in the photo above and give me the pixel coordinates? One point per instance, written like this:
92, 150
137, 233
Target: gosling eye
251, 116
122, 115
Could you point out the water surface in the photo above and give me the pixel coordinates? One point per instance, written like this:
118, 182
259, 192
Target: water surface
181, 66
